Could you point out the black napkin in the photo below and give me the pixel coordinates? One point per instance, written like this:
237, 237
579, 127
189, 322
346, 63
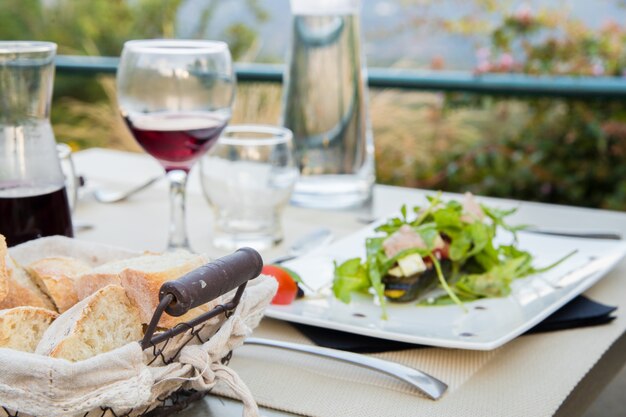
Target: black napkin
580, 312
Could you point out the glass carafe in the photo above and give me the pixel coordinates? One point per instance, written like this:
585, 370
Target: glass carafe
33, 201
325, 105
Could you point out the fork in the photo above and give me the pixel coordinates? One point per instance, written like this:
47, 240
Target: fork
107, 197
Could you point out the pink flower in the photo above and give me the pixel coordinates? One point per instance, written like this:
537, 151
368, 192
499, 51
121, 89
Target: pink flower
483, 54
483, 66
609, 25
597, 69
506, 62
523, 14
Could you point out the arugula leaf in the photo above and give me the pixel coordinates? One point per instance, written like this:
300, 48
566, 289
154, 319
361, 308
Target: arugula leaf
350, 276
460, 246
497, 216
429, 234
488, 258
534, 270
297, 278
391, 226
481, 236
423, 216
403, 212
444, 284
496, 282
373, 246
448, 219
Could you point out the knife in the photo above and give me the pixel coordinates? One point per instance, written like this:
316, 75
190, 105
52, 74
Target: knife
583, 235
427, 384
317, 238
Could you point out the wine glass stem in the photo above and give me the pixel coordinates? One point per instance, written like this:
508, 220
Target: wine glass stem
178, 225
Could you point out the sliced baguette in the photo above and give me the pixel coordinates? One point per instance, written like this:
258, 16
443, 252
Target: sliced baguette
22, 291
55, 276
21, 328
108, 274
101, 322
4, 273
143, 280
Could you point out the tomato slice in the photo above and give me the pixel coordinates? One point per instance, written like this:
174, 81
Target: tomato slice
287, 287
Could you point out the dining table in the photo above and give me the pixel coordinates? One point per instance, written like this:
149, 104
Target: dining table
556, 373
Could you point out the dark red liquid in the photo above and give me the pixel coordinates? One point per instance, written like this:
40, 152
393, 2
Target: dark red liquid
177, 140
27, 218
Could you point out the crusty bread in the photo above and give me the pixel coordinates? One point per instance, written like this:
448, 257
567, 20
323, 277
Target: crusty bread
21, 328
21, 290
109, 274
55, 276
4, 274
143, 279
101, 322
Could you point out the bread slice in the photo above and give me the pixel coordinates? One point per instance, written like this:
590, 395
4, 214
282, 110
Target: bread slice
143, 279
55, 276
22, 291
108, 274
101, 322
21, 328
4, 274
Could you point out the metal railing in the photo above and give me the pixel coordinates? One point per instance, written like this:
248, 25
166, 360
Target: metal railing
445, 81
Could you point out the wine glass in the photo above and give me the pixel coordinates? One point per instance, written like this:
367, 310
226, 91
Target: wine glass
176, 98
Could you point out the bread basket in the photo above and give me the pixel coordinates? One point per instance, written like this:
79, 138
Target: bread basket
160, 374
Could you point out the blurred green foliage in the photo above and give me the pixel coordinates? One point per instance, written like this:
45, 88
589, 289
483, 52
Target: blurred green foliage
83, 112
100, 27
567, 151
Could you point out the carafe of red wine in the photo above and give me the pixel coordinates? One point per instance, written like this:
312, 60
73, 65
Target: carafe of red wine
33, 201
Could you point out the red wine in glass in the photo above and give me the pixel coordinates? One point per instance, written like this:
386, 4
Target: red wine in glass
175, 139
31, 215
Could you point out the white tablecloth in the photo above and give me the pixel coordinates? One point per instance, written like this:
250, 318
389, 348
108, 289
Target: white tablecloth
530, 376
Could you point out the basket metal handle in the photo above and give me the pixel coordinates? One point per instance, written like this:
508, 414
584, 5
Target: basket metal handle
211, 280
201, 286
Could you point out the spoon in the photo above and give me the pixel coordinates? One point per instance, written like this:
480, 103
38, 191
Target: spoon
308, 242
108, 196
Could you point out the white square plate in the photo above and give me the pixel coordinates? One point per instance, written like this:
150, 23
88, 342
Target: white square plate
487, 324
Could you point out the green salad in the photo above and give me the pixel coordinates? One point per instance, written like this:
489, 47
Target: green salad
447, 245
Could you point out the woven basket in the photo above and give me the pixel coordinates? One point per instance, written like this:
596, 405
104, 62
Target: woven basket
160, 374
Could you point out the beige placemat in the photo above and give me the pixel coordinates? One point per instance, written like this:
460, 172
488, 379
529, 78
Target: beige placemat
529, 376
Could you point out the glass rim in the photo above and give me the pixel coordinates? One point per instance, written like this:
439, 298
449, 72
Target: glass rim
176, 46
27, 46
279, 135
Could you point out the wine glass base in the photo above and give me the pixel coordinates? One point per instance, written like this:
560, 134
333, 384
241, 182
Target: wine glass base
332, 192
174, 248
228, 241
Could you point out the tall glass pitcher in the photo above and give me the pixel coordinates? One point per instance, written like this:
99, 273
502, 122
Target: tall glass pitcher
325, 105
33, 201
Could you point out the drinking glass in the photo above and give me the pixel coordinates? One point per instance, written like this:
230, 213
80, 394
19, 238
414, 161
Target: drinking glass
176, 97
248, 177
325, 105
